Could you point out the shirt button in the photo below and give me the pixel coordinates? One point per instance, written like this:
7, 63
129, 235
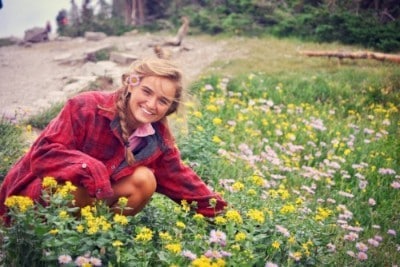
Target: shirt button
84, 165
112, 167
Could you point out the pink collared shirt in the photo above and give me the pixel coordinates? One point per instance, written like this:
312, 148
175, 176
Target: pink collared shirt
142, 131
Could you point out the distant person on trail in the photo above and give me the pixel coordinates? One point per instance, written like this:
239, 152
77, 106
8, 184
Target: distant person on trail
62, 20
116, 144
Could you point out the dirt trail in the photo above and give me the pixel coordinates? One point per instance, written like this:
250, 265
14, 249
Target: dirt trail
32, 77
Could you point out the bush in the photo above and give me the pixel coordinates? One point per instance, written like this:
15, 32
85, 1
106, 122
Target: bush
11, 145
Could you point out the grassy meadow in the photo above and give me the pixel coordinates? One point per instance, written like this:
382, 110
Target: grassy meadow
305, 151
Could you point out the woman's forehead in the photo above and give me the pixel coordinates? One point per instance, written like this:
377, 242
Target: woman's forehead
160, 85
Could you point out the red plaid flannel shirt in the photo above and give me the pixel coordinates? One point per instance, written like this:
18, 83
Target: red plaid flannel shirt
83, 145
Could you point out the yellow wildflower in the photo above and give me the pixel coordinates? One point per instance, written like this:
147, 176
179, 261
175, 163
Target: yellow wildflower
145, 234
198, 217
219, 220
240, 236
216, 139
256, 215
185, 205
289, 208
66, 189
122, 201
53, 231
121, 219
21, 203
212, 108
257, 180
117, 243
217, 121
200, 128
180, 225
237, 186
197, 114
322, 214
202, 261
165, 236
174, 248
276, 244
63, 214
251, 192
233, 215
49, 182
80, 228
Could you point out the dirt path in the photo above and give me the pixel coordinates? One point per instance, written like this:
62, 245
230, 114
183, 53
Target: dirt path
32, 78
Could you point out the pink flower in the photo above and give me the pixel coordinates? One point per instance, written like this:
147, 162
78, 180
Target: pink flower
218, 237
373, 242
81, 260
282, 230
361, 247
64, 259
331, 247
362, 256
371, 202
386, 171
391, 232
213, 254
271, 264
395, 185
351, 236
95, 261
133, 80
189, 254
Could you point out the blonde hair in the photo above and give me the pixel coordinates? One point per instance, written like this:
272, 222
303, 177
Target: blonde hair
143, 68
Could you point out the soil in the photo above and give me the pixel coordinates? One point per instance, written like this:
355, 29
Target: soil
34, 76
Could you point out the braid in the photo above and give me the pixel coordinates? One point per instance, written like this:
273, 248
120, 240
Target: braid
121, 108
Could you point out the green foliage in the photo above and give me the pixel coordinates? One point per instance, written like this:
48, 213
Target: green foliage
43, 118
324, 26
340, 21
6, 42
110, 26
11, 145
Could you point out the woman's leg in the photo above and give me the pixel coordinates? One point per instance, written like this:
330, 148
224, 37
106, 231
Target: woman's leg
137, 188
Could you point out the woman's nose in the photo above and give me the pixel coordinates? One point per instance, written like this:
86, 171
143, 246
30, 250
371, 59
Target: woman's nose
152, 101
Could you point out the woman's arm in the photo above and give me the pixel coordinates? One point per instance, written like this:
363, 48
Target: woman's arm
179, 182
58, 151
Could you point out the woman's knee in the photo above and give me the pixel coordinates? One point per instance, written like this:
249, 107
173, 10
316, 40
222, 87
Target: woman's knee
141, 183
143, 179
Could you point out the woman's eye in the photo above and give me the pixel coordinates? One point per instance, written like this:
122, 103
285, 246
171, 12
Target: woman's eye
146, 91
164, 102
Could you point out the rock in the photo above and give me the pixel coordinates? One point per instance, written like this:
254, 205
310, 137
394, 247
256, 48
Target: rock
36, 35
122, 58
95, 36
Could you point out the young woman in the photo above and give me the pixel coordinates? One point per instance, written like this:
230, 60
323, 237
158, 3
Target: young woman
115, 144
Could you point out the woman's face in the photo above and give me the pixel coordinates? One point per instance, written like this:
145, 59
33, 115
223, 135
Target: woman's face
151, 99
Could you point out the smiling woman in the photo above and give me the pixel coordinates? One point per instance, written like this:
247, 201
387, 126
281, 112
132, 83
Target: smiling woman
116, 144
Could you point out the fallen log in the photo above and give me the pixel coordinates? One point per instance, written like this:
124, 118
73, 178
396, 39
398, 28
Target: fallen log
354, 55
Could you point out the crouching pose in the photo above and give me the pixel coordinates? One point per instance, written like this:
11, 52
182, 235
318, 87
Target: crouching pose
115, 144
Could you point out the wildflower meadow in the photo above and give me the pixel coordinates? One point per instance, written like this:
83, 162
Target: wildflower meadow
309, 164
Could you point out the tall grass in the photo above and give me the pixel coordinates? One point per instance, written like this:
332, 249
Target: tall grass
306, 152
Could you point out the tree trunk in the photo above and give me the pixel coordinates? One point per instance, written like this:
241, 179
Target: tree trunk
354, 55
